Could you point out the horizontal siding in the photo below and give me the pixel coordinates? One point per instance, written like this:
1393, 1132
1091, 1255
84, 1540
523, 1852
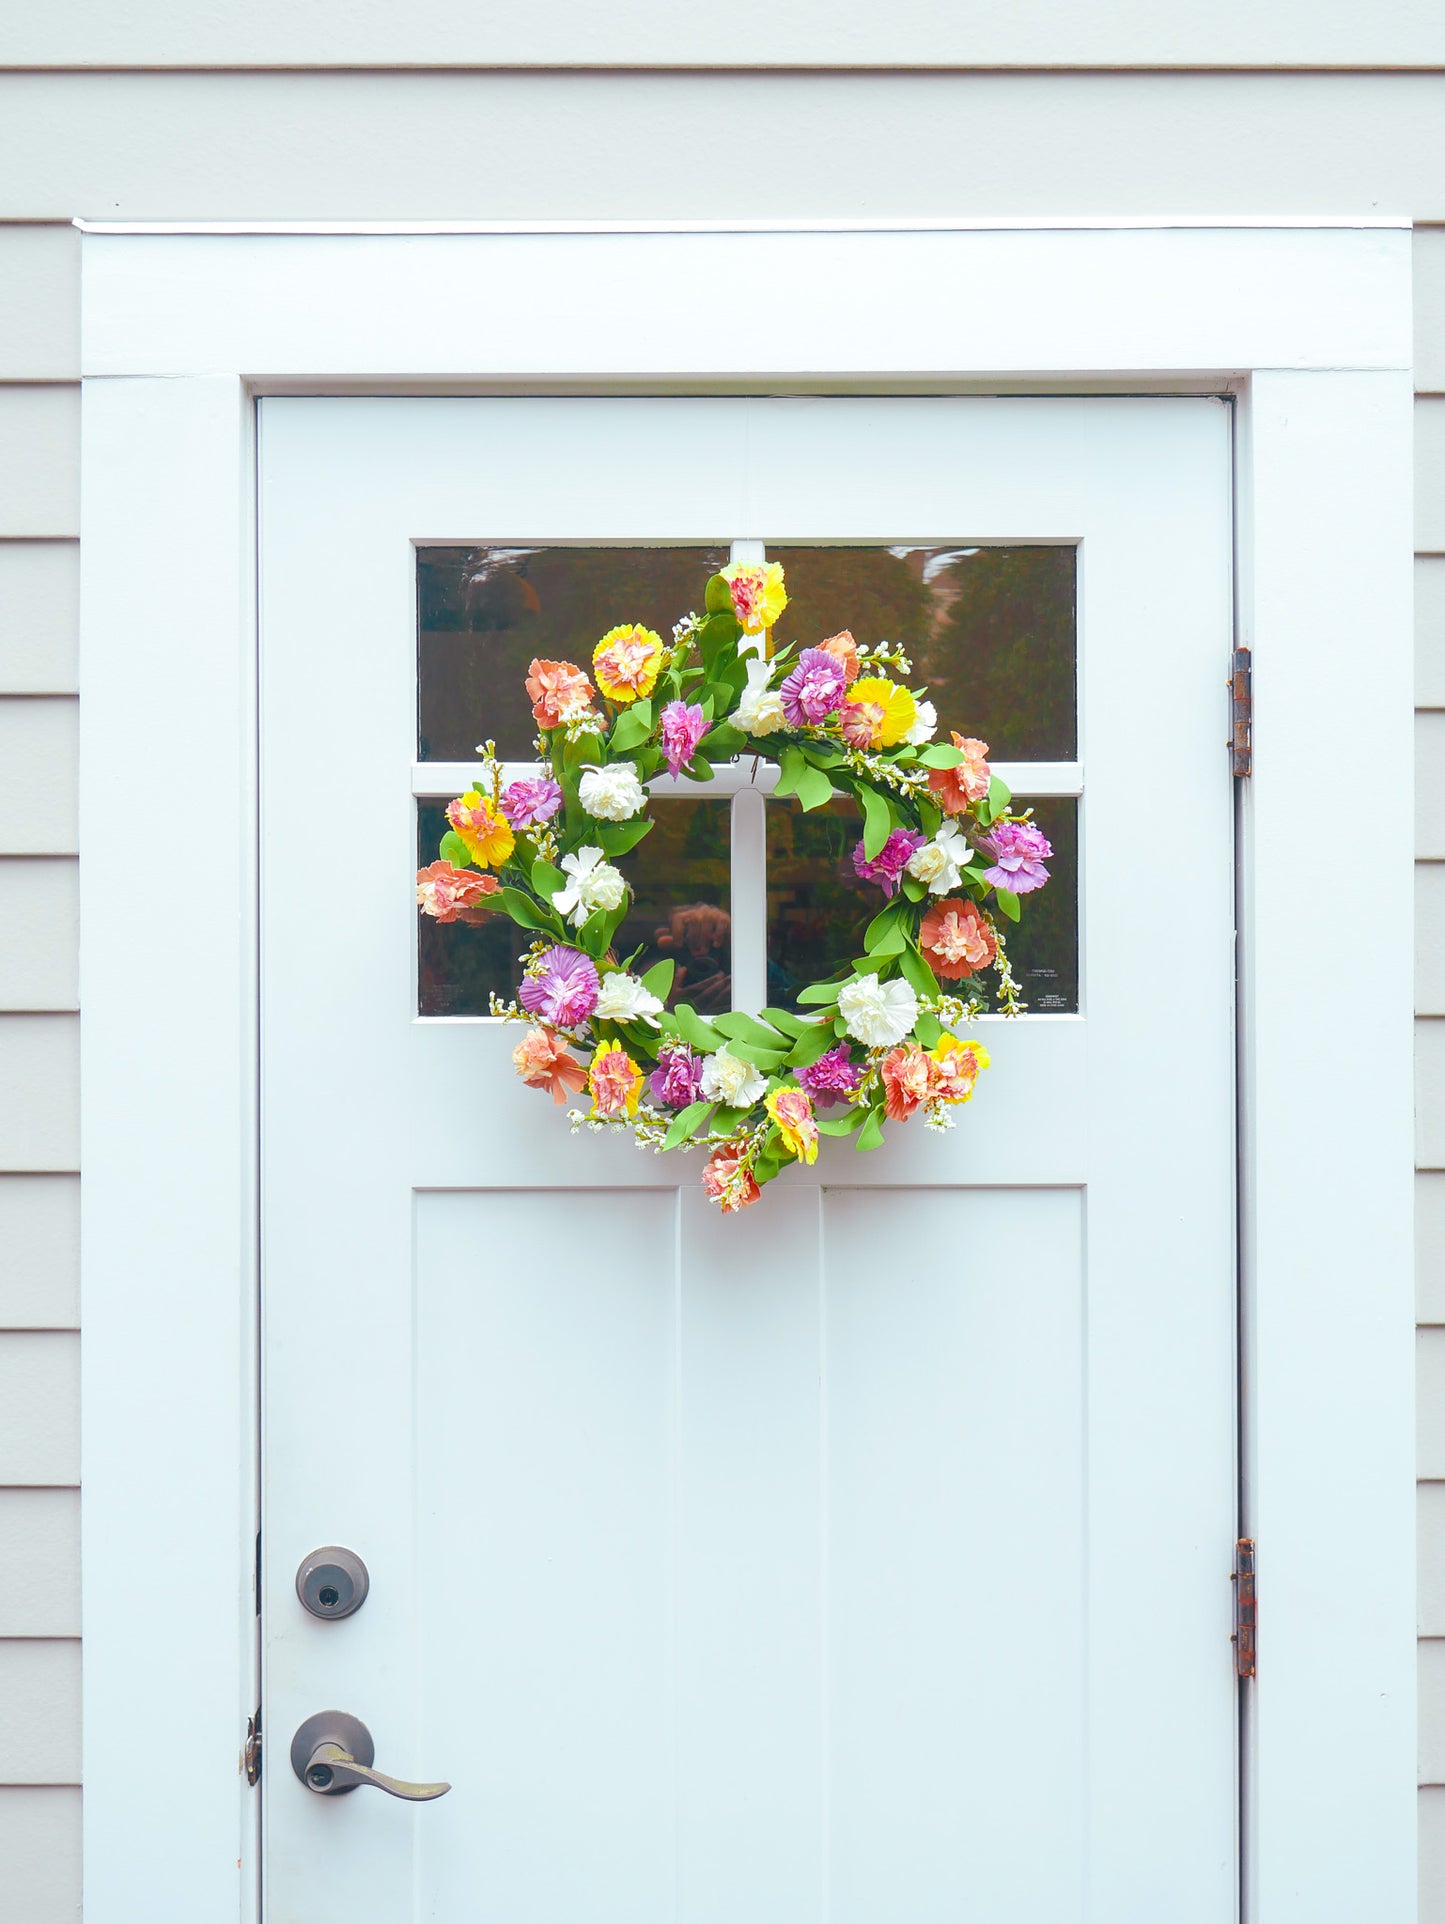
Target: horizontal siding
1432, 1710
39, 774
40, 1852
39, 303
1428, 260
1430, 629
40, 460
969, 33
1430, 1410
248, 146
1430, 1246
40, 1408
40, 1715
1430, 938
39, 1563
1430, 784
1430, 475
39, 616
39, 1093
39, 934
40, 1235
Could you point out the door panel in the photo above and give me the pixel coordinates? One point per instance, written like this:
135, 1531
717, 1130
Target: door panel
866, 1555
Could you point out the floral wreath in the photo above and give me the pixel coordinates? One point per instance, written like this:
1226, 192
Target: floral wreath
880, 1040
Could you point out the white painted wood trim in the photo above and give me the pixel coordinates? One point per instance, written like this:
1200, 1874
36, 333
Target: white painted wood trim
169, 1113
881, 224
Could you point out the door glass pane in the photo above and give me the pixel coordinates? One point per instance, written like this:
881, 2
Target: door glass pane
682, 908
990, 631
818, 908
483, 612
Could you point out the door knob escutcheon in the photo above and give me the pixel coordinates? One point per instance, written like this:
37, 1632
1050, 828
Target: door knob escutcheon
333, 1753
332, 1583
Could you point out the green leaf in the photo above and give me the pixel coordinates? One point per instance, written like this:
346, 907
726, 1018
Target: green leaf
689, 1122
615, 838
877, 820
785, 1020
659, 978
870, 1136
747, 1027
546, 880
884, 934
766, 1165
529, 914
821, 992
631, 728
454, 850
913, 888
699, 769
940, 755
686, 1022
999, 795
729, 1121
810, 1045
1008, 902
843, 1125
790, 765
718, 599
813, 787
917, 974
928, 1030
722, 742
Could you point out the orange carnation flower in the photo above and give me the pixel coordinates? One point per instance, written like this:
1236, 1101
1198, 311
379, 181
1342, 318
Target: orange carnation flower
558, 692
905, 1073
544, 1061
967, 781
956, 938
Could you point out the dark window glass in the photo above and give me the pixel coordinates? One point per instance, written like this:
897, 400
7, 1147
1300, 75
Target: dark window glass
818, 908
682, 908
483, 612
990, 631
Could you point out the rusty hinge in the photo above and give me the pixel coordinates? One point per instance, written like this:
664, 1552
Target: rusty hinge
1241, 708
251, 1755
1246, 1608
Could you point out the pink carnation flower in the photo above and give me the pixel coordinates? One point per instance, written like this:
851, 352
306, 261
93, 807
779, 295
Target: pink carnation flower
562, 989
532, 801
683, 727
906, 1075
831, 1077
815, 689
890, 861
677, 1079
1018, 849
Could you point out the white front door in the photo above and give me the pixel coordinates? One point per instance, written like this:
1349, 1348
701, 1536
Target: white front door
864, 1557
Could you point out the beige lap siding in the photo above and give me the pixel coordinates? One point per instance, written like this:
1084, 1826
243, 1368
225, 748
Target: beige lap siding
39, 1079
1429, 261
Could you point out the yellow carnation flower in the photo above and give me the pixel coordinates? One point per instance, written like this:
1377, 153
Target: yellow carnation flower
900, 710
792, 1110
627, 662
483, 829
759, 596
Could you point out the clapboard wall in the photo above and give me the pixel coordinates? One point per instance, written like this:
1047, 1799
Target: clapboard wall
388, 142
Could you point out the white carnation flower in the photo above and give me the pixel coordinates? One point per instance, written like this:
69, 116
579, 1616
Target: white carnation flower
939, 864
595, 884
925, 725
728, 1079
611, 794
623, 998
877, 1014
760, 708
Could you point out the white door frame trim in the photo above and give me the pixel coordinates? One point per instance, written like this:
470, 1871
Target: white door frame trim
1309, 326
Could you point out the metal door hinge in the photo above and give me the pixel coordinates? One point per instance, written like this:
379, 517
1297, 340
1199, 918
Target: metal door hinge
1246, 1609
1241, 706
251, 1755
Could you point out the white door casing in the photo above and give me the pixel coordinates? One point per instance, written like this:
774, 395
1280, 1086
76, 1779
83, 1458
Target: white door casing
768, 1567
181, 330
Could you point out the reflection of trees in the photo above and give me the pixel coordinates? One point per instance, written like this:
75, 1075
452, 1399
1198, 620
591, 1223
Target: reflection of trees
990, 630
484, 612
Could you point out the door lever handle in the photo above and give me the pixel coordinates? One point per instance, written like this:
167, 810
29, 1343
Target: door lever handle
333, 1753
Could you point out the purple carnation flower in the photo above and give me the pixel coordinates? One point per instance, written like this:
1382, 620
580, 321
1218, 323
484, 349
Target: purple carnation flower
1018, 849
890, 861
530, 802
831, 1077
683, 727
564, 989
677, 1079
815, 688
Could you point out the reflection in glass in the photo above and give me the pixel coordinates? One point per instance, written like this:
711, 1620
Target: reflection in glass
483, 612
682, 908
818, 908
990, 631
